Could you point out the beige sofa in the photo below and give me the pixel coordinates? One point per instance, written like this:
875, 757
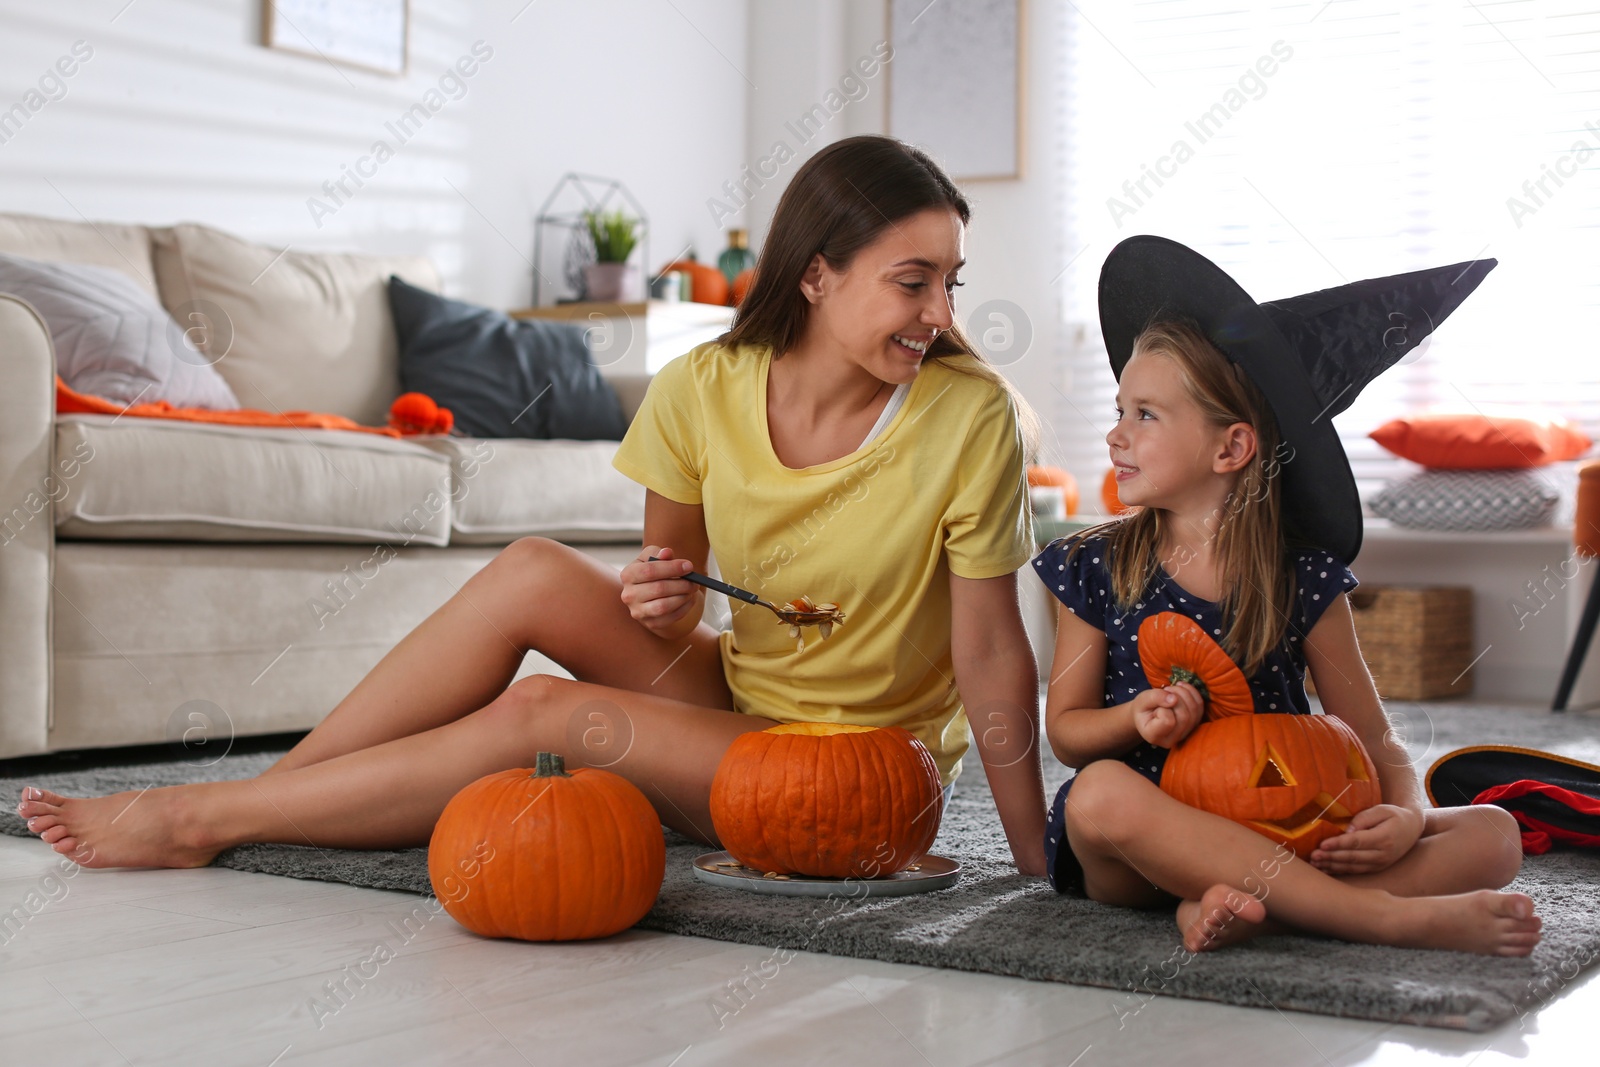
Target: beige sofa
163, 580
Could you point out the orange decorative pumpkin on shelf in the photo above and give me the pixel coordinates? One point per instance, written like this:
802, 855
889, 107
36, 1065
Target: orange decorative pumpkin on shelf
707, 283
1108, 494
1295, 779
741, 285
544, 855
1056, 476
827, 800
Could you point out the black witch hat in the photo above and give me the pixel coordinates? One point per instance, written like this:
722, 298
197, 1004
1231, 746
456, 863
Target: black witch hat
1310, 355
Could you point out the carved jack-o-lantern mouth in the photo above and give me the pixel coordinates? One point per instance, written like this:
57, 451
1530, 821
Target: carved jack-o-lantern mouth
1271, 771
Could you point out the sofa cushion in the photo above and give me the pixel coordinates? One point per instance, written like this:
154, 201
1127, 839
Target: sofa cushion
154, 480
289, 330
103, 244
500, 377
566, 490
112, 338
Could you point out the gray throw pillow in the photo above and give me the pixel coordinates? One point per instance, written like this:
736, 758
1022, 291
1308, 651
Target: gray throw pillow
112, 339
1467, 500
500, 377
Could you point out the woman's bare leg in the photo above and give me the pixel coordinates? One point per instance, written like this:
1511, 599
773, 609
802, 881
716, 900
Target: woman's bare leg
1130, 836
536, 594
390, 795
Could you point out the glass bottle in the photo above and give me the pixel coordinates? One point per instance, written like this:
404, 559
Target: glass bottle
737, 257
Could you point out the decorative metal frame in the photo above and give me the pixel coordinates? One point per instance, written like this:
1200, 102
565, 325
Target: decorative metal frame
598, 194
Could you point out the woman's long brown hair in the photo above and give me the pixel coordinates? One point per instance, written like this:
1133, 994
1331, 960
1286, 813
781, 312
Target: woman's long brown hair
1257, 581
839, 202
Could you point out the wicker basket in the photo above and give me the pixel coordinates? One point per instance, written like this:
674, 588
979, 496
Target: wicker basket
1416, 639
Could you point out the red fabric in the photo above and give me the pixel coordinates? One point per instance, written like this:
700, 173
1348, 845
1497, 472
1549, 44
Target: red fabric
71, 402
1536, 835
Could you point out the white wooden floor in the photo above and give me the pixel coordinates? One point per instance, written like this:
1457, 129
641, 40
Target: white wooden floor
221, 967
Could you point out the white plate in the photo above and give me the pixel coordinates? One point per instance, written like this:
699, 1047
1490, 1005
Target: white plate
934, 872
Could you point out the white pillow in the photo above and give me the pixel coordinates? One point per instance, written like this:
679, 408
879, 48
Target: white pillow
112, 339
1467, 500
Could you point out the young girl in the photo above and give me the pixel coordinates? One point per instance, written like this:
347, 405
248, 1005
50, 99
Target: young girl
1243, 517
842, 441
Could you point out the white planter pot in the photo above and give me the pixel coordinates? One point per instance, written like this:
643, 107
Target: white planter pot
608, 282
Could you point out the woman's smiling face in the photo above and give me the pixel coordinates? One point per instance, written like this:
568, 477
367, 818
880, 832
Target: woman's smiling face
895, 297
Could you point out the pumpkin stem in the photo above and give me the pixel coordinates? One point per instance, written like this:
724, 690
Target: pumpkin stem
1184, 674
549, 765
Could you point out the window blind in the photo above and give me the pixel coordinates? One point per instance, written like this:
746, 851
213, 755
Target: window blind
1301, 146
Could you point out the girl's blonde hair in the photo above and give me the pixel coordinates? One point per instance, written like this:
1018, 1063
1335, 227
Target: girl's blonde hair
1257, 581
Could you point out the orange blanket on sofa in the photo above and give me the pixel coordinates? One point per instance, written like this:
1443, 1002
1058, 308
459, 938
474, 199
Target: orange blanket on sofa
71, 402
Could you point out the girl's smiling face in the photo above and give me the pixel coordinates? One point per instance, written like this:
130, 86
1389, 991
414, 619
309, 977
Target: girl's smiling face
1167, 454
898, 293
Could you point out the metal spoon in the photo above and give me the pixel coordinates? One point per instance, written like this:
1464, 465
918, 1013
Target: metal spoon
786, 615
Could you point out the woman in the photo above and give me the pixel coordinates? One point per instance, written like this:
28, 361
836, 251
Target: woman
842, 440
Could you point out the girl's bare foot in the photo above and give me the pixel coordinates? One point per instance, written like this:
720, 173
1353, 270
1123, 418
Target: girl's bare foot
152, 828
1222, 916
1488, 922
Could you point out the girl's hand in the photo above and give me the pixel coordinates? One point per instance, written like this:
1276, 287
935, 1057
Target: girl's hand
1165, 716
656, 596
1377, 837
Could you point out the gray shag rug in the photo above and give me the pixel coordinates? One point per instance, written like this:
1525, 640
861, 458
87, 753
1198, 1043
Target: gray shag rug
999, 922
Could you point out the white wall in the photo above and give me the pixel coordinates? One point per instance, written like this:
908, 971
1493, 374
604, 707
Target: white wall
181, 114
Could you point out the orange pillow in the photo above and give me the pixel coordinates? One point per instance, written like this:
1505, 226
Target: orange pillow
1481, 442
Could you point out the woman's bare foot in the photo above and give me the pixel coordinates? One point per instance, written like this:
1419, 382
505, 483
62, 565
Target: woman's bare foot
1488, 922
1222, 916
152, 828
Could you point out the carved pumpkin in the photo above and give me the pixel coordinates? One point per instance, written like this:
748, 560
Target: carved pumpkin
827, 800
1174, 648
544, 855
1297, 779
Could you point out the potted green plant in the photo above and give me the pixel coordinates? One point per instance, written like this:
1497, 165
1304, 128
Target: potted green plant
614, 234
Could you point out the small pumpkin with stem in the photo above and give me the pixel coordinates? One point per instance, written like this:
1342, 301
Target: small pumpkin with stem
1295, 779
542, 854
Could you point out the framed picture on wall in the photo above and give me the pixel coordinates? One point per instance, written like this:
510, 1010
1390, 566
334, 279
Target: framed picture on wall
955, 83
370, 34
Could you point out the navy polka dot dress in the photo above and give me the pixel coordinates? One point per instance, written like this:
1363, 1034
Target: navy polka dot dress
1083, 585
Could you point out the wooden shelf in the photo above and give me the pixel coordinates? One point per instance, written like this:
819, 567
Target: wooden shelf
579, 310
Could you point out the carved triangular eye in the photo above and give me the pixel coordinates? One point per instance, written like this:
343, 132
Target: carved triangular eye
1270, 769
1355, 766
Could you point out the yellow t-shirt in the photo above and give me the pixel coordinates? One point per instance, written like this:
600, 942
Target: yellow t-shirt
941, 489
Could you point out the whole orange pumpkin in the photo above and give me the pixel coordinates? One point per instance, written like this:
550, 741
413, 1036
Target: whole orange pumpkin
708, 284
741, 285
1297, 779
543, 855
827, 800
1108, 494
1038, 475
